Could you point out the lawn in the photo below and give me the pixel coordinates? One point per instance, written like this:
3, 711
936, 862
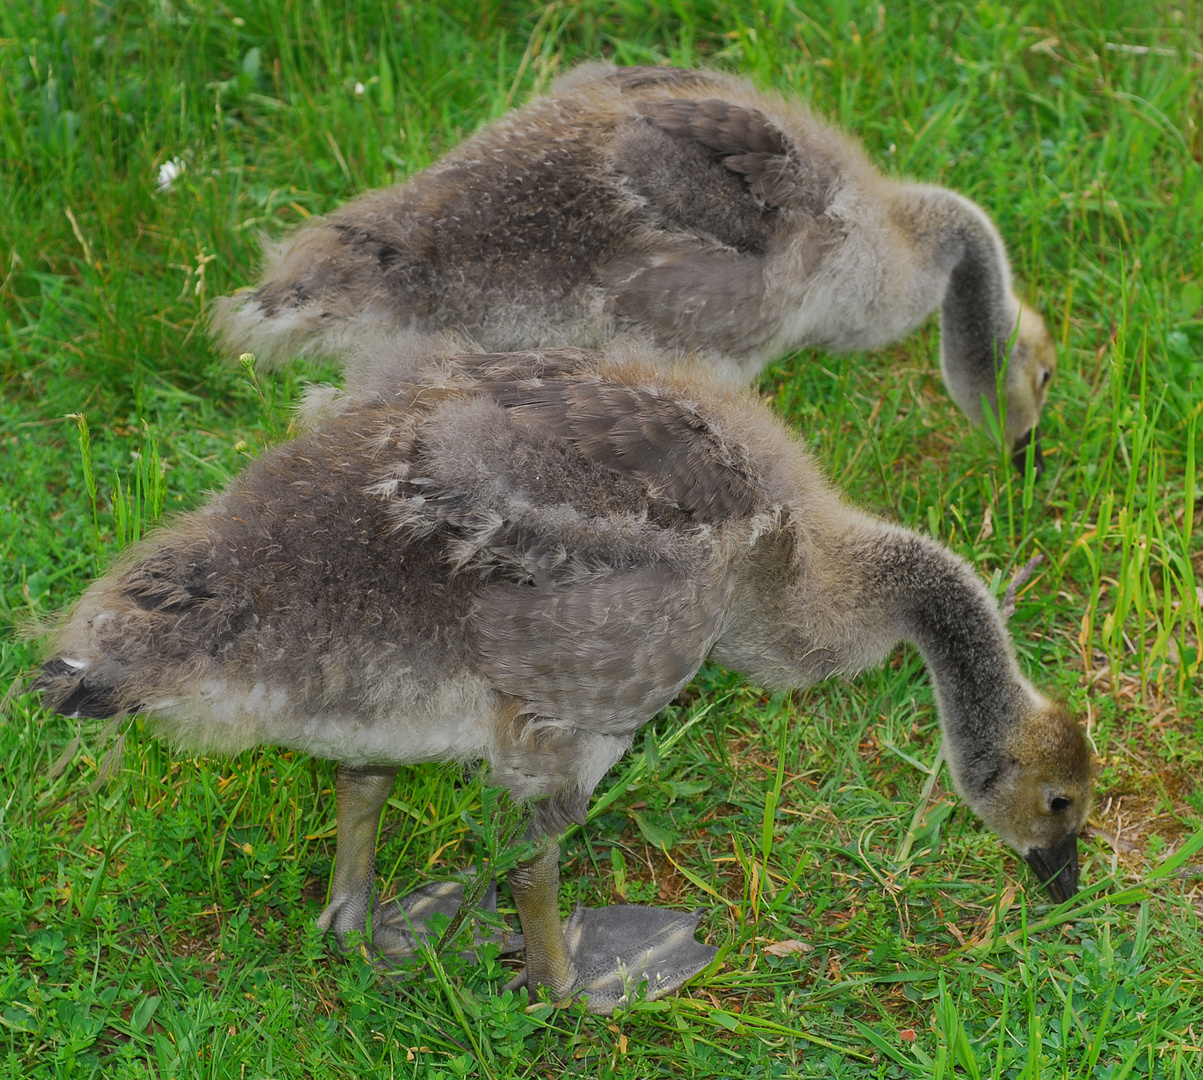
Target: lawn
156, 911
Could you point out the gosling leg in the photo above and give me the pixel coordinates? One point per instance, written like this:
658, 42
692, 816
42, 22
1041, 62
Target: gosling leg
396, 928
603, 953
360, 795
535, 886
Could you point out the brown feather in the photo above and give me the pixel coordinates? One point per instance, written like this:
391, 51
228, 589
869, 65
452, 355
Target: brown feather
720, 125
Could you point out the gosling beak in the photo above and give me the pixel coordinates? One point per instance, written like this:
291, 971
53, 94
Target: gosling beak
1057, 867
1019, 455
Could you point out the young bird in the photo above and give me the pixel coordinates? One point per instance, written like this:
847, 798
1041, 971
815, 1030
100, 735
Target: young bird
684, 208
520, 559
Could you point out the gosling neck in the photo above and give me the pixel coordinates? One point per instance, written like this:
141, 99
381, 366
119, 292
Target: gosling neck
942, 607
979, 312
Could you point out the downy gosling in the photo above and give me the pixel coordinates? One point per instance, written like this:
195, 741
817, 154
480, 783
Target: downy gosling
519, 559
684, 208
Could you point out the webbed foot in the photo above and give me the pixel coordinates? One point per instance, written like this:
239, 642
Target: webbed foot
614, 950
389, 932
393, 931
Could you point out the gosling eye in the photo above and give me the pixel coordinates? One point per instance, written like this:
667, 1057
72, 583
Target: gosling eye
1059, 804
1045, 375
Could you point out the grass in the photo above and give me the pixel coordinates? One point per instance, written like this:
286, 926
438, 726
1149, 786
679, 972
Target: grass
161, 923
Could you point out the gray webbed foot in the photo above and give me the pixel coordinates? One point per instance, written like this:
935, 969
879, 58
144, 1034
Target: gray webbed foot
389, 932
394, 930
613, 950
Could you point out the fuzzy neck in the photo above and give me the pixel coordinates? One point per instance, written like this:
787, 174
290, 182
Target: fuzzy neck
947, 613
979, 312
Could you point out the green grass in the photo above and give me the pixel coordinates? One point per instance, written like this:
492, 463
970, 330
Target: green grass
161, 923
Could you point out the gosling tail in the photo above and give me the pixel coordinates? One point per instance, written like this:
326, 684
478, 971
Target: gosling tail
322, 286
83, 691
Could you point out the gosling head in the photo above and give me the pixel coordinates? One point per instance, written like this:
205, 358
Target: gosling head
1036, 794
1033, 363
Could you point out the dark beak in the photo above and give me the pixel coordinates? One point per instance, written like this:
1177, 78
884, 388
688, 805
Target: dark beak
1019, 455
1057, 867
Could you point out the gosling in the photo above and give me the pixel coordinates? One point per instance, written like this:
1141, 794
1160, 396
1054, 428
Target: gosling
520, 559
684, 208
